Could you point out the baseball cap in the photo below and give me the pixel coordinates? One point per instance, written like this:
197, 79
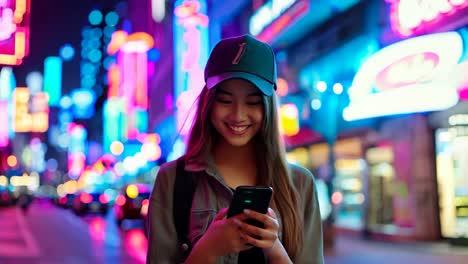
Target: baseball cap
242, 57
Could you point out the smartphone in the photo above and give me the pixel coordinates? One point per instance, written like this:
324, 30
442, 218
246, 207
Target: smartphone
255, 198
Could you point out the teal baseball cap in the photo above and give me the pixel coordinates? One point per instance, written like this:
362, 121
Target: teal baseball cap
242, 57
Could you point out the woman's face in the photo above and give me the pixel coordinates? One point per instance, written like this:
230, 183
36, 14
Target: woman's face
237, 112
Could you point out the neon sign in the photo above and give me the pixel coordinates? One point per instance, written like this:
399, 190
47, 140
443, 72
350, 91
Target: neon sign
76, 150
267, 14
14, 31
4, 119
408, 17
191, 37
22, 119
7, 25
414, 75
463, 85
128, 86
36, 120
273, 17
408, 70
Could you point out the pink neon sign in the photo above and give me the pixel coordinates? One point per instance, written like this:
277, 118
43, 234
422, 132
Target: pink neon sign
413, 75
294, 11
409, 17
192, 23
14, 31
414, 68
5, 121
463, 90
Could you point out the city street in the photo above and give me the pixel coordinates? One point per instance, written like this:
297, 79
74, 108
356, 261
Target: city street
48, 234
353, 250
369, 96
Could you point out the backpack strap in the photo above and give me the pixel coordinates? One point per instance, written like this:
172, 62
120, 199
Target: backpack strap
184, 189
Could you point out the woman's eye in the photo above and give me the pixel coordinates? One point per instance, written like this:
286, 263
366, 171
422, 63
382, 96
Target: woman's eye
223, 101
254, 103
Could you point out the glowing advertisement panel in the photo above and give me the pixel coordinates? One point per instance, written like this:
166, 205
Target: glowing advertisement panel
14, 31
31, 112
190, 55
410, 17
462, 69
115, 120
125, 112
76, 150
4, 120
274, 16
414, 75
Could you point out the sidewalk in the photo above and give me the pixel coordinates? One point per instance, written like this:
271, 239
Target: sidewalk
355, 250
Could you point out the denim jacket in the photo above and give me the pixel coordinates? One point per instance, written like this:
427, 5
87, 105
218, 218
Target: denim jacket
212, 194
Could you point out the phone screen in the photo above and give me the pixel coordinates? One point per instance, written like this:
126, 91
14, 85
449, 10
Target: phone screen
255, 198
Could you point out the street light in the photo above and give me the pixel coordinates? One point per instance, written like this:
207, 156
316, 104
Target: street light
329, 103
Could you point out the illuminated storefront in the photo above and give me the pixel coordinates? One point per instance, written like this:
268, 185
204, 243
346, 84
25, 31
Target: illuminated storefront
451, 145
387, 83
419, 73
452, 171
348, 194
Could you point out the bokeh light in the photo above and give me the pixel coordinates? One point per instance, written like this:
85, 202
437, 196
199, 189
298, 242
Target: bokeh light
337, 88
95, 55
132, 191
321, 86
52, 164
34, 82
67, 52
282, 87
95, 17
315, 104
153, 54
112, 18
12, 161
151, 151
116, 148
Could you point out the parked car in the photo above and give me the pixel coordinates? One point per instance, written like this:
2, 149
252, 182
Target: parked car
25, 199
65, 201
90, 202
132, 202
5, 196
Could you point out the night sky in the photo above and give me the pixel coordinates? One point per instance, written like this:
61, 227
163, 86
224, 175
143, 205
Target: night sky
53, 24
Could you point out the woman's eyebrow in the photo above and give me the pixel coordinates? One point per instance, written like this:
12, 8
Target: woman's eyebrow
255, 94
223, 92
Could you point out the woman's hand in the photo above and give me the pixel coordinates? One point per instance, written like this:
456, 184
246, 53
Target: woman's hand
265, 238
260, 237
223, 236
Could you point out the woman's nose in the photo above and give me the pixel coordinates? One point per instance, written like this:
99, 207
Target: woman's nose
239, 112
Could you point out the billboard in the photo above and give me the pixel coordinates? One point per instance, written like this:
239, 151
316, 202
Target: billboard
14, 31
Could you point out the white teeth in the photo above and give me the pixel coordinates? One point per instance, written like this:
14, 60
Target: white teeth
238, 129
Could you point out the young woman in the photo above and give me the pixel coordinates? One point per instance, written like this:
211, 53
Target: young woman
235, 141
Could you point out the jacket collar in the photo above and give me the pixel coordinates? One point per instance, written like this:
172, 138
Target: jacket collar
204, 163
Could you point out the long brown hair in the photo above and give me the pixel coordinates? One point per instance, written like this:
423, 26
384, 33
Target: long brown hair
272, 167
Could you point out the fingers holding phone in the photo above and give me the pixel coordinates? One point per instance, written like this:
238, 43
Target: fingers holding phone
260, 228
223, 235
262, 237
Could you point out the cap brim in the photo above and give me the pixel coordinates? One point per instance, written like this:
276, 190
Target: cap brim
264, 86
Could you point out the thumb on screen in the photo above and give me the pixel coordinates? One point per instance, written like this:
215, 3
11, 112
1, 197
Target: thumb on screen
221, 214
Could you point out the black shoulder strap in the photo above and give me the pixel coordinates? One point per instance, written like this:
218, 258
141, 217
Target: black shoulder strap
184, 188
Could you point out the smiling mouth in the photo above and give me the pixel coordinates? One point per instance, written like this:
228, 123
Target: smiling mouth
238, 129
